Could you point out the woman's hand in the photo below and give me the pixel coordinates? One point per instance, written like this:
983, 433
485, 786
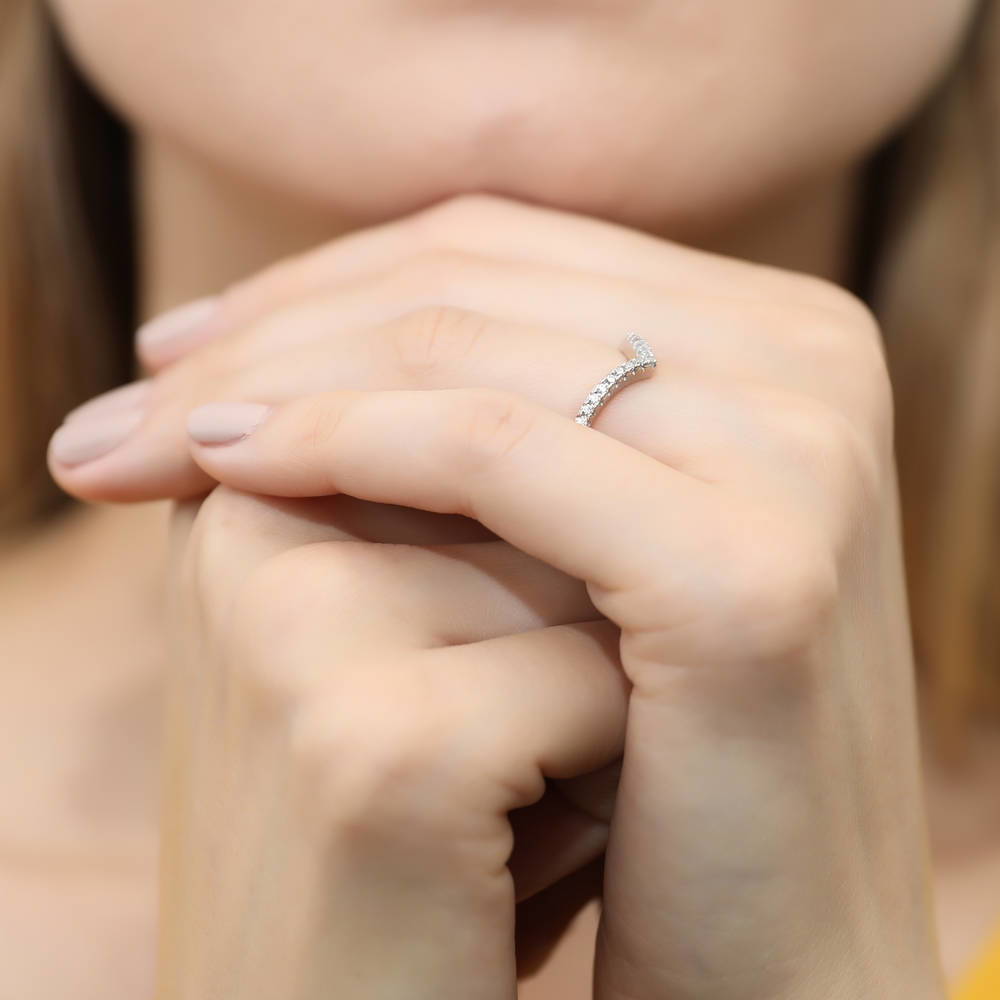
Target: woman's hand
766, 841
735, 516
377, 309
350, 723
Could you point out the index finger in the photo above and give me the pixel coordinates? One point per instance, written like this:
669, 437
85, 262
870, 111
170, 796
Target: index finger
665, 555
496, 227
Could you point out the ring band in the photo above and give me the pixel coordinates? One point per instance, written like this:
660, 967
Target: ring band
640, 364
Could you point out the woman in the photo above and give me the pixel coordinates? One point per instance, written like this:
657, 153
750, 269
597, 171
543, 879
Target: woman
437, 656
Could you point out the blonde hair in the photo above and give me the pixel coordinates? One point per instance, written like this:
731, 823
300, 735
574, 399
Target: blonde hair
929, 265
66, 283
936, 291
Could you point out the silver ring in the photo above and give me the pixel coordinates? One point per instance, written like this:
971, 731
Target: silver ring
640, 364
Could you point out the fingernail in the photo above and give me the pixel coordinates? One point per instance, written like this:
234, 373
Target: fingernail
176, 324
225, 423
90, 437
123, 398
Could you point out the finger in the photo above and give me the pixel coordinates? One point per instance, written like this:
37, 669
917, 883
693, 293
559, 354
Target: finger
555, 699
296, 522
713, 426
426, 764
401, 776
714, 329
412, 333
493, 589
444, 349
542, 482
377, 522
506, 230
717, 428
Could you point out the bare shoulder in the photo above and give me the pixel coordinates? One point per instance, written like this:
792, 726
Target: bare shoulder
73, 930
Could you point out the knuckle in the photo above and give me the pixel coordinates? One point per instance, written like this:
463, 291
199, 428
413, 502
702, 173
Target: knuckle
380, 767
224, 517
825, 441
835, 319
448, 222
431, 277
319, 424
865, 416
275, 591
490, 425
860, 321
843, 345
358, 761
431, 340
850, 347
766, 603
779, 597
228, 511
293, 585
875, 397
281, 604
215, 529
275, 601
834, 298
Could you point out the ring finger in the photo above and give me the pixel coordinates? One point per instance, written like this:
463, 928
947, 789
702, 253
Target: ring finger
713, 427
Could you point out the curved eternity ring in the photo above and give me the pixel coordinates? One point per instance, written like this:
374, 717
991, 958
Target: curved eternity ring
641, 363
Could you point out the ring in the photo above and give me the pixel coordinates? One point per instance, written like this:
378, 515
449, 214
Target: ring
641, 363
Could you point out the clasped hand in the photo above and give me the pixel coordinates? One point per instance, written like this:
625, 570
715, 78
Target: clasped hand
426, 616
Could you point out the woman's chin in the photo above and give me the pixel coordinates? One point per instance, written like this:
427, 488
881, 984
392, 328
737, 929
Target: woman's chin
605, 170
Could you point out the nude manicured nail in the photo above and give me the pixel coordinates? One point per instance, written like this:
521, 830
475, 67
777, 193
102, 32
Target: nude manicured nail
176, 323
89, 437
125, 397
225, 423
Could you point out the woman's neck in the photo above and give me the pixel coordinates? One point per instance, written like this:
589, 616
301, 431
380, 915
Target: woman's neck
200, 229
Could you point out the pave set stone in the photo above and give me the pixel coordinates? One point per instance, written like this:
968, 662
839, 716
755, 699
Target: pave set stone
640, 364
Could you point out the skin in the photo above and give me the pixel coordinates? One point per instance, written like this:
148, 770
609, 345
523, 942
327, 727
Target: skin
751, 587
219, 204
367, 110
